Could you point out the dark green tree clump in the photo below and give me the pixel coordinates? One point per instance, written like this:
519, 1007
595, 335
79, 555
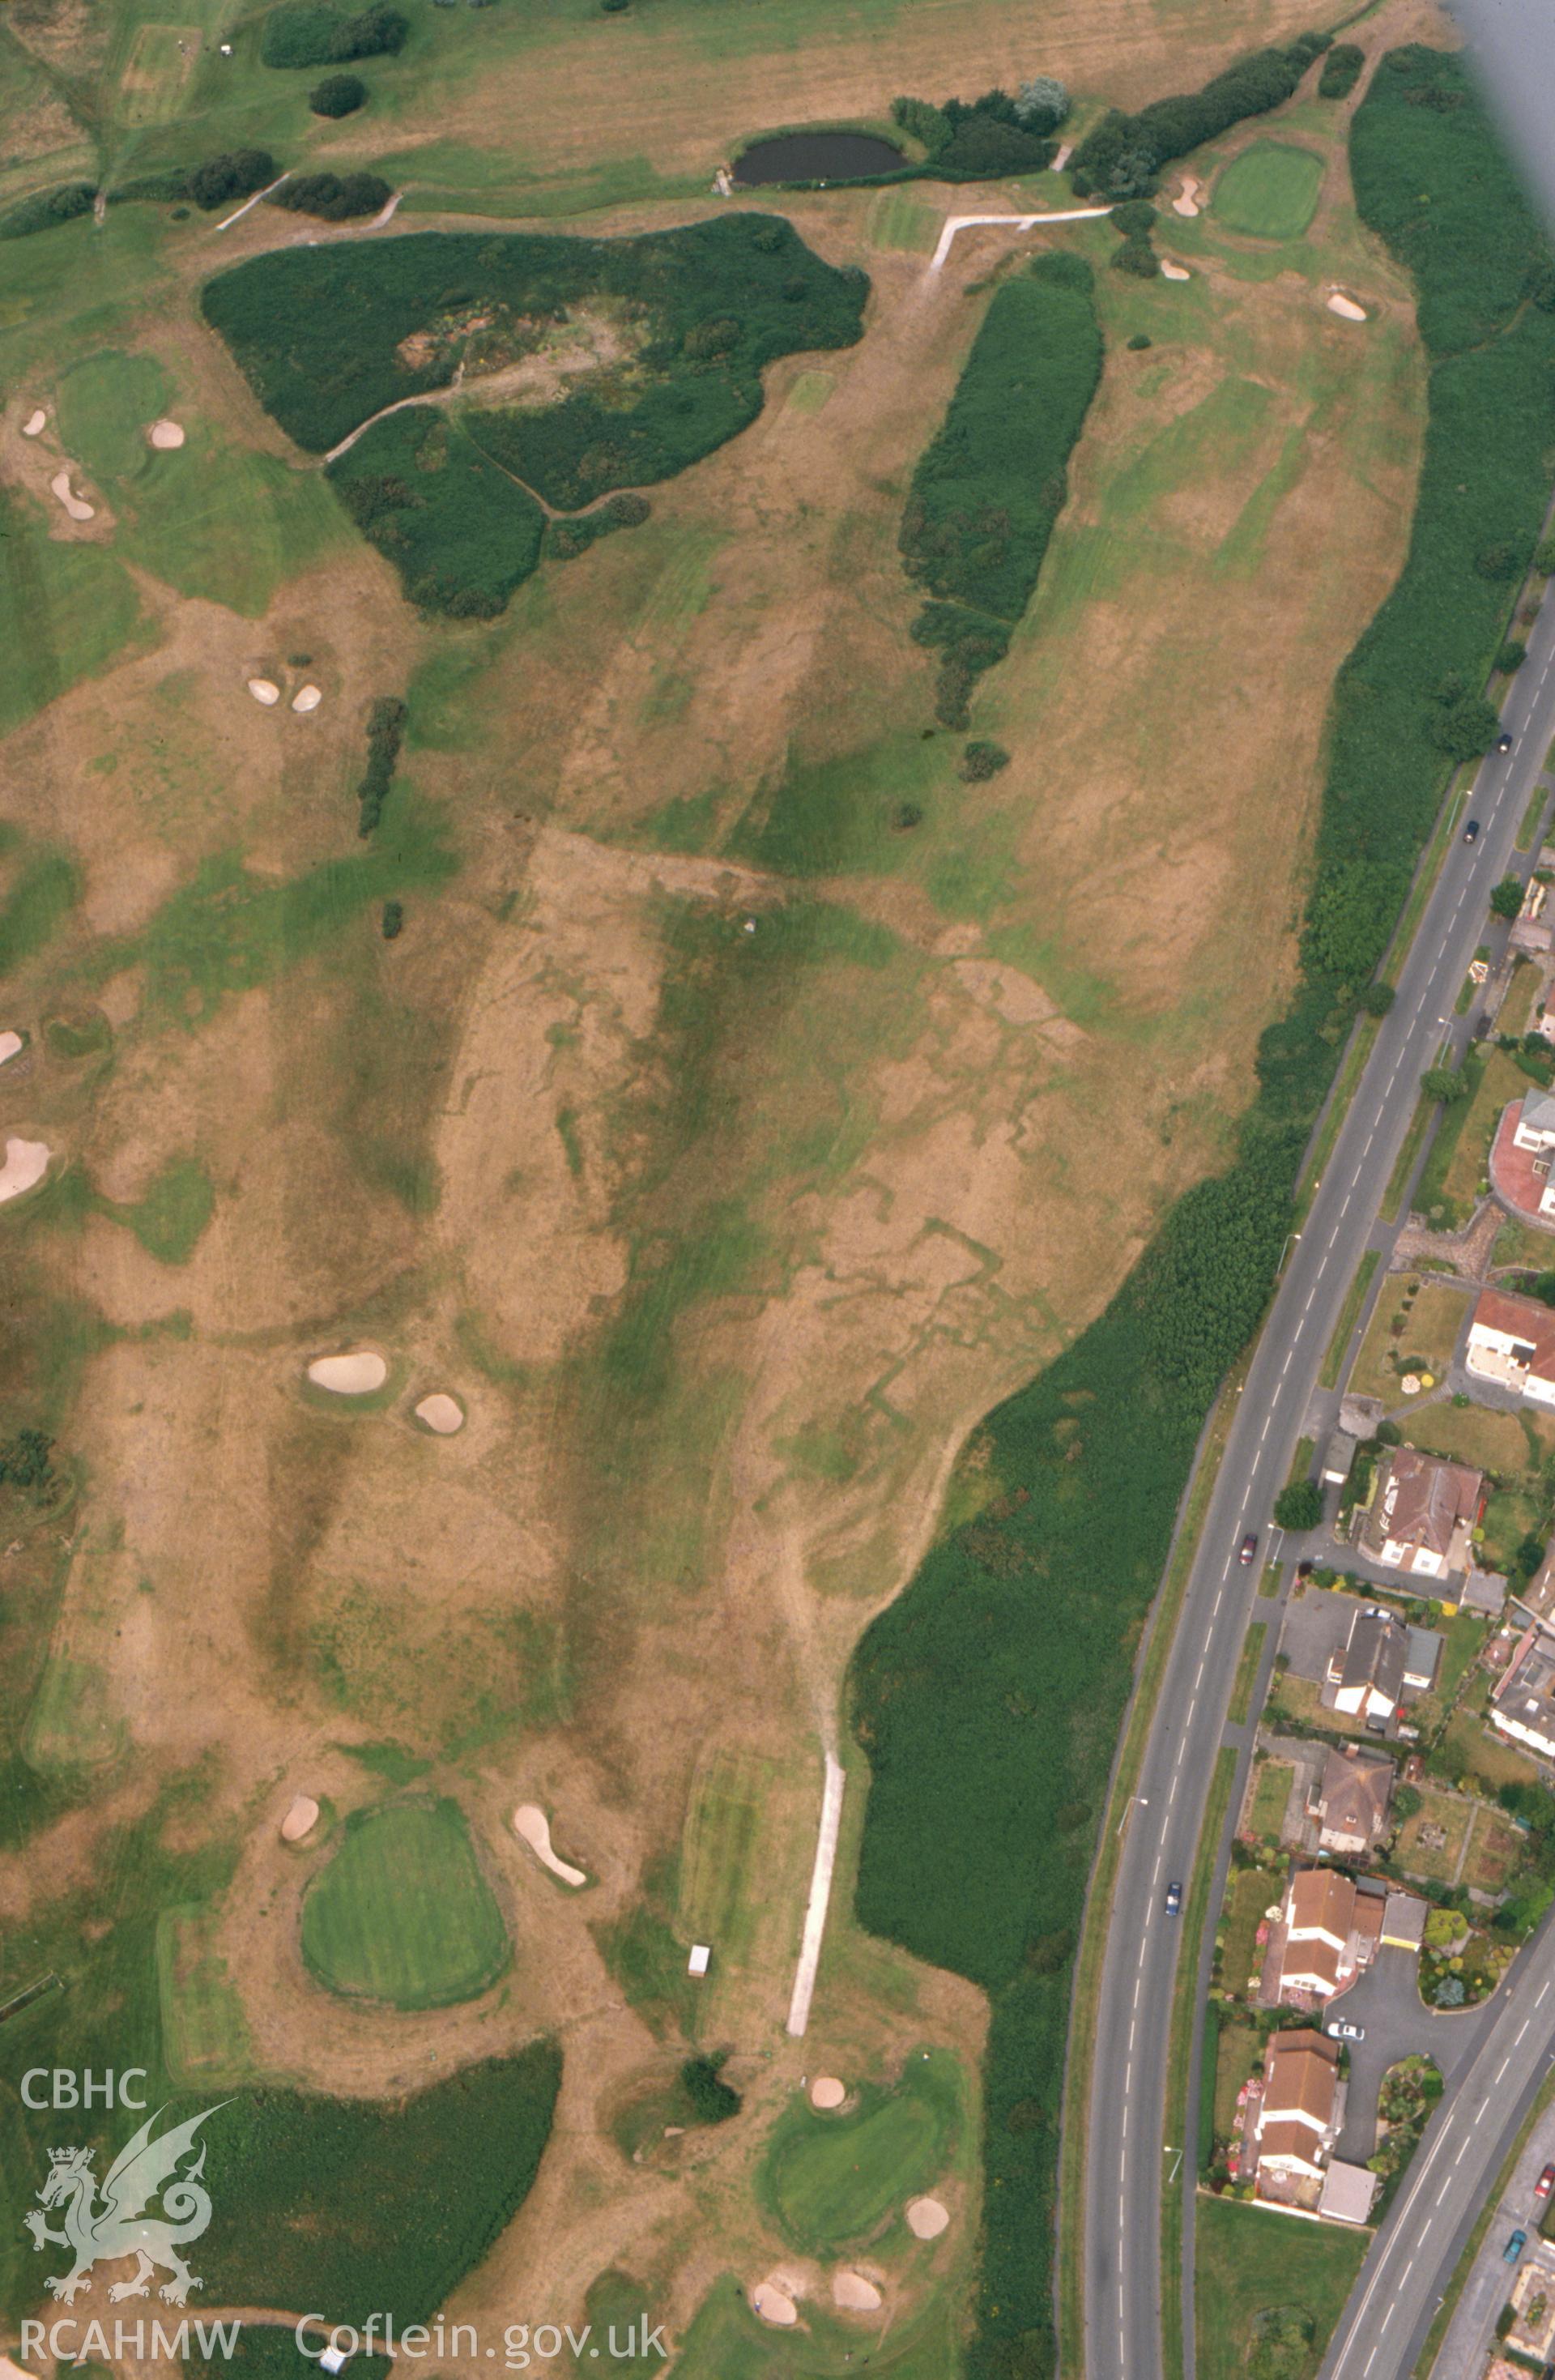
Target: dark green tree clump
337, 198
982, 760
564, 539
993, 480
713, 2101
1507, 898
1299, 1506
27, 1465
1341, 70
385, 732
307, 33
983, 139
43, 208
339, 94
1121, 156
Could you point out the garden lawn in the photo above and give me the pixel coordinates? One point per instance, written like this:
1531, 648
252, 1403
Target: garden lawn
1271, 1793
1439, 1812
1251, 1892
1238, 2050
1429, 1329
1271, 191
1460, 1151
1250, 2264
403, 1913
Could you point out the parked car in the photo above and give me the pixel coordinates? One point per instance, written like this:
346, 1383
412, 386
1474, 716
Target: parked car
1249, 1547
1471, 832
1338, 2028
1514, 2247
1503, 742
1174, 1901
1545, 2183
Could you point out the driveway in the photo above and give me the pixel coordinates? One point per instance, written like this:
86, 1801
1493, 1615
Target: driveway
1387, 2004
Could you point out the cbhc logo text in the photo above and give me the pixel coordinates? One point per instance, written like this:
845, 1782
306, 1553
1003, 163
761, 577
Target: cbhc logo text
58, 2087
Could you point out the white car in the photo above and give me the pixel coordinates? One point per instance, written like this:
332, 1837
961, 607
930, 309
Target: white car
1338, 2028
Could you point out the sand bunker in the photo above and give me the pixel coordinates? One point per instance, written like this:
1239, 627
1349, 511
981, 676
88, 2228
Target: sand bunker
349, 1376
927, 2218
1186, 200
532, 1825
27, 1161
1175, 272
443, 1414
76, 506
827, 2092
9, 1044
166, 435
265, 691
775, 2305
34, 425
1346, 307
852, 2290
306, 698
300, 1819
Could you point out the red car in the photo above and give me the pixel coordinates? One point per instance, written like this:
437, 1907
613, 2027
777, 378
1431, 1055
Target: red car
1545, 2183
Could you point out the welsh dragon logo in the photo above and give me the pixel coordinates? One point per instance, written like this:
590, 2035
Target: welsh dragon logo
98, 2230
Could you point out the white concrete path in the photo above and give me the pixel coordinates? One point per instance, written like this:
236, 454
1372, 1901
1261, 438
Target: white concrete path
1013, 222
821, 1894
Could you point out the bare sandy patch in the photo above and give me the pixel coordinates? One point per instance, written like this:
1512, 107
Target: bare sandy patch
441, 1414
26, 1163
827, 2091
166, 436
856, 2294
10, 1043
1187, 199
532, 1826
76, 506
1170, 272
927, 2218
300, 1818
305, 699
35, 423
771, 2299
264, 691
1346, 307
353, 1375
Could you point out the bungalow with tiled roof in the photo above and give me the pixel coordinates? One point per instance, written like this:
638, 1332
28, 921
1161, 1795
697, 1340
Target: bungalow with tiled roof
1511, 1342
1353, 1797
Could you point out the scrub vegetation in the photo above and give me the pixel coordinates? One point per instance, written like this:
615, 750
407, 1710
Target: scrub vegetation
1123, 155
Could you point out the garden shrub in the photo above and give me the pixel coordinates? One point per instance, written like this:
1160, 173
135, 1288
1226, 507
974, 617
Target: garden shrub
334, 197
1341, 70
339, 94
989, 1697
307, 33
992, 480
45, 208
1122, 156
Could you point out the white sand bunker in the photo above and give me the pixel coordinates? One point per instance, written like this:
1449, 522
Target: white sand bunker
35, 423
827, 2092
306, 698
264, 691
76, 506
355, 1375
1346, 307
441, 1414
1186, 200
927, 2218
300, 1819
1170, 272
532, 1825
166, 435
9, 1044
774, 2304
27, 1161
852, 2290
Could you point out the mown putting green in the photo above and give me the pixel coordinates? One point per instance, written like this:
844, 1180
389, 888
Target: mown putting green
832, 2180
402, 1912
1271, 191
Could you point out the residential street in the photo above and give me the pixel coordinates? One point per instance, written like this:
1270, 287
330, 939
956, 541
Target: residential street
1125, 2168
1462, 2355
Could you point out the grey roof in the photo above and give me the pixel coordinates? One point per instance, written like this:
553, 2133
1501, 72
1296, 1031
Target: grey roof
1374, 1655
1424, 1653
1339, 1454
1348, 2191
1484, 1590
1539, 1111
1405, 1919
1352, 1798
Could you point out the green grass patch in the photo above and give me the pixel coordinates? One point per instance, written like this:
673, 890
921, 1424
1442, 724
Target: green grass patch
722, 1828
1185, 2026
204, 2030
1271, 191
1272, 1794
1261, 2279
1349, 1315
67, 607
1528, 833
1246, 1672
169, 1220
1404, 1167
403, 1913
832, 2181
40, 897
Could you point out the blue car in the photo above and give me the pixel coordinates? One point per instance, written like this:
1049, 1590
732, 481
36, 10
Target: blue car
1174, 1901
1514, 2247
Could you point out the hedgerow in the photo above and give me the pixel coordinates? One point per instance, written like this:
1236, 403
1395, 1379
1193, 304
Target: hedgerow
385, 731
1123, 155
1341, 69
991, 482
45, 208
334, 197
990, 1696
307, 33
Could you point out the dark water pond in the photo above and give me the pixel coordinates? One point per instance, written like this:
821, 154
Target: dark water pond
816, 157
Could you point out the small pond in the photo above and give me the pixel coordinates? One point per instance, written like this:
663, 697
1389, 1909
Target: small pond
816, 157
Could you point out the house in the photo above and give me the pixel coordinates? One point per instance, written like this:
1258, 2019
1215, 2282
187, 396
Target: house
1353, 1793
1511, 1342
1404, 1921
1331, 1928
1535, 1129
1298, 2119
1423, 1513
1522, 1705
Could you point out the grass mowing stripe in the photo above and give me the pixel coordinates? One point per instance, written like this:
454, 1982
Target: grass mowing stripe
1531, 817
1247, 1671
1301, 1461
1179, 2058
1414, 1140
1355, 1298
1338, 1109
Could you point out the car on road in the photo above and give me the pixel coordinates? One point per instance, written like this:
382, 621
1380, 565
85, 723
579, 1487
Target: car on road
1249, 1547
1545, 2183
1514, 2247
1503, 742
1471, 832
1340, 2029
1174, 1901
